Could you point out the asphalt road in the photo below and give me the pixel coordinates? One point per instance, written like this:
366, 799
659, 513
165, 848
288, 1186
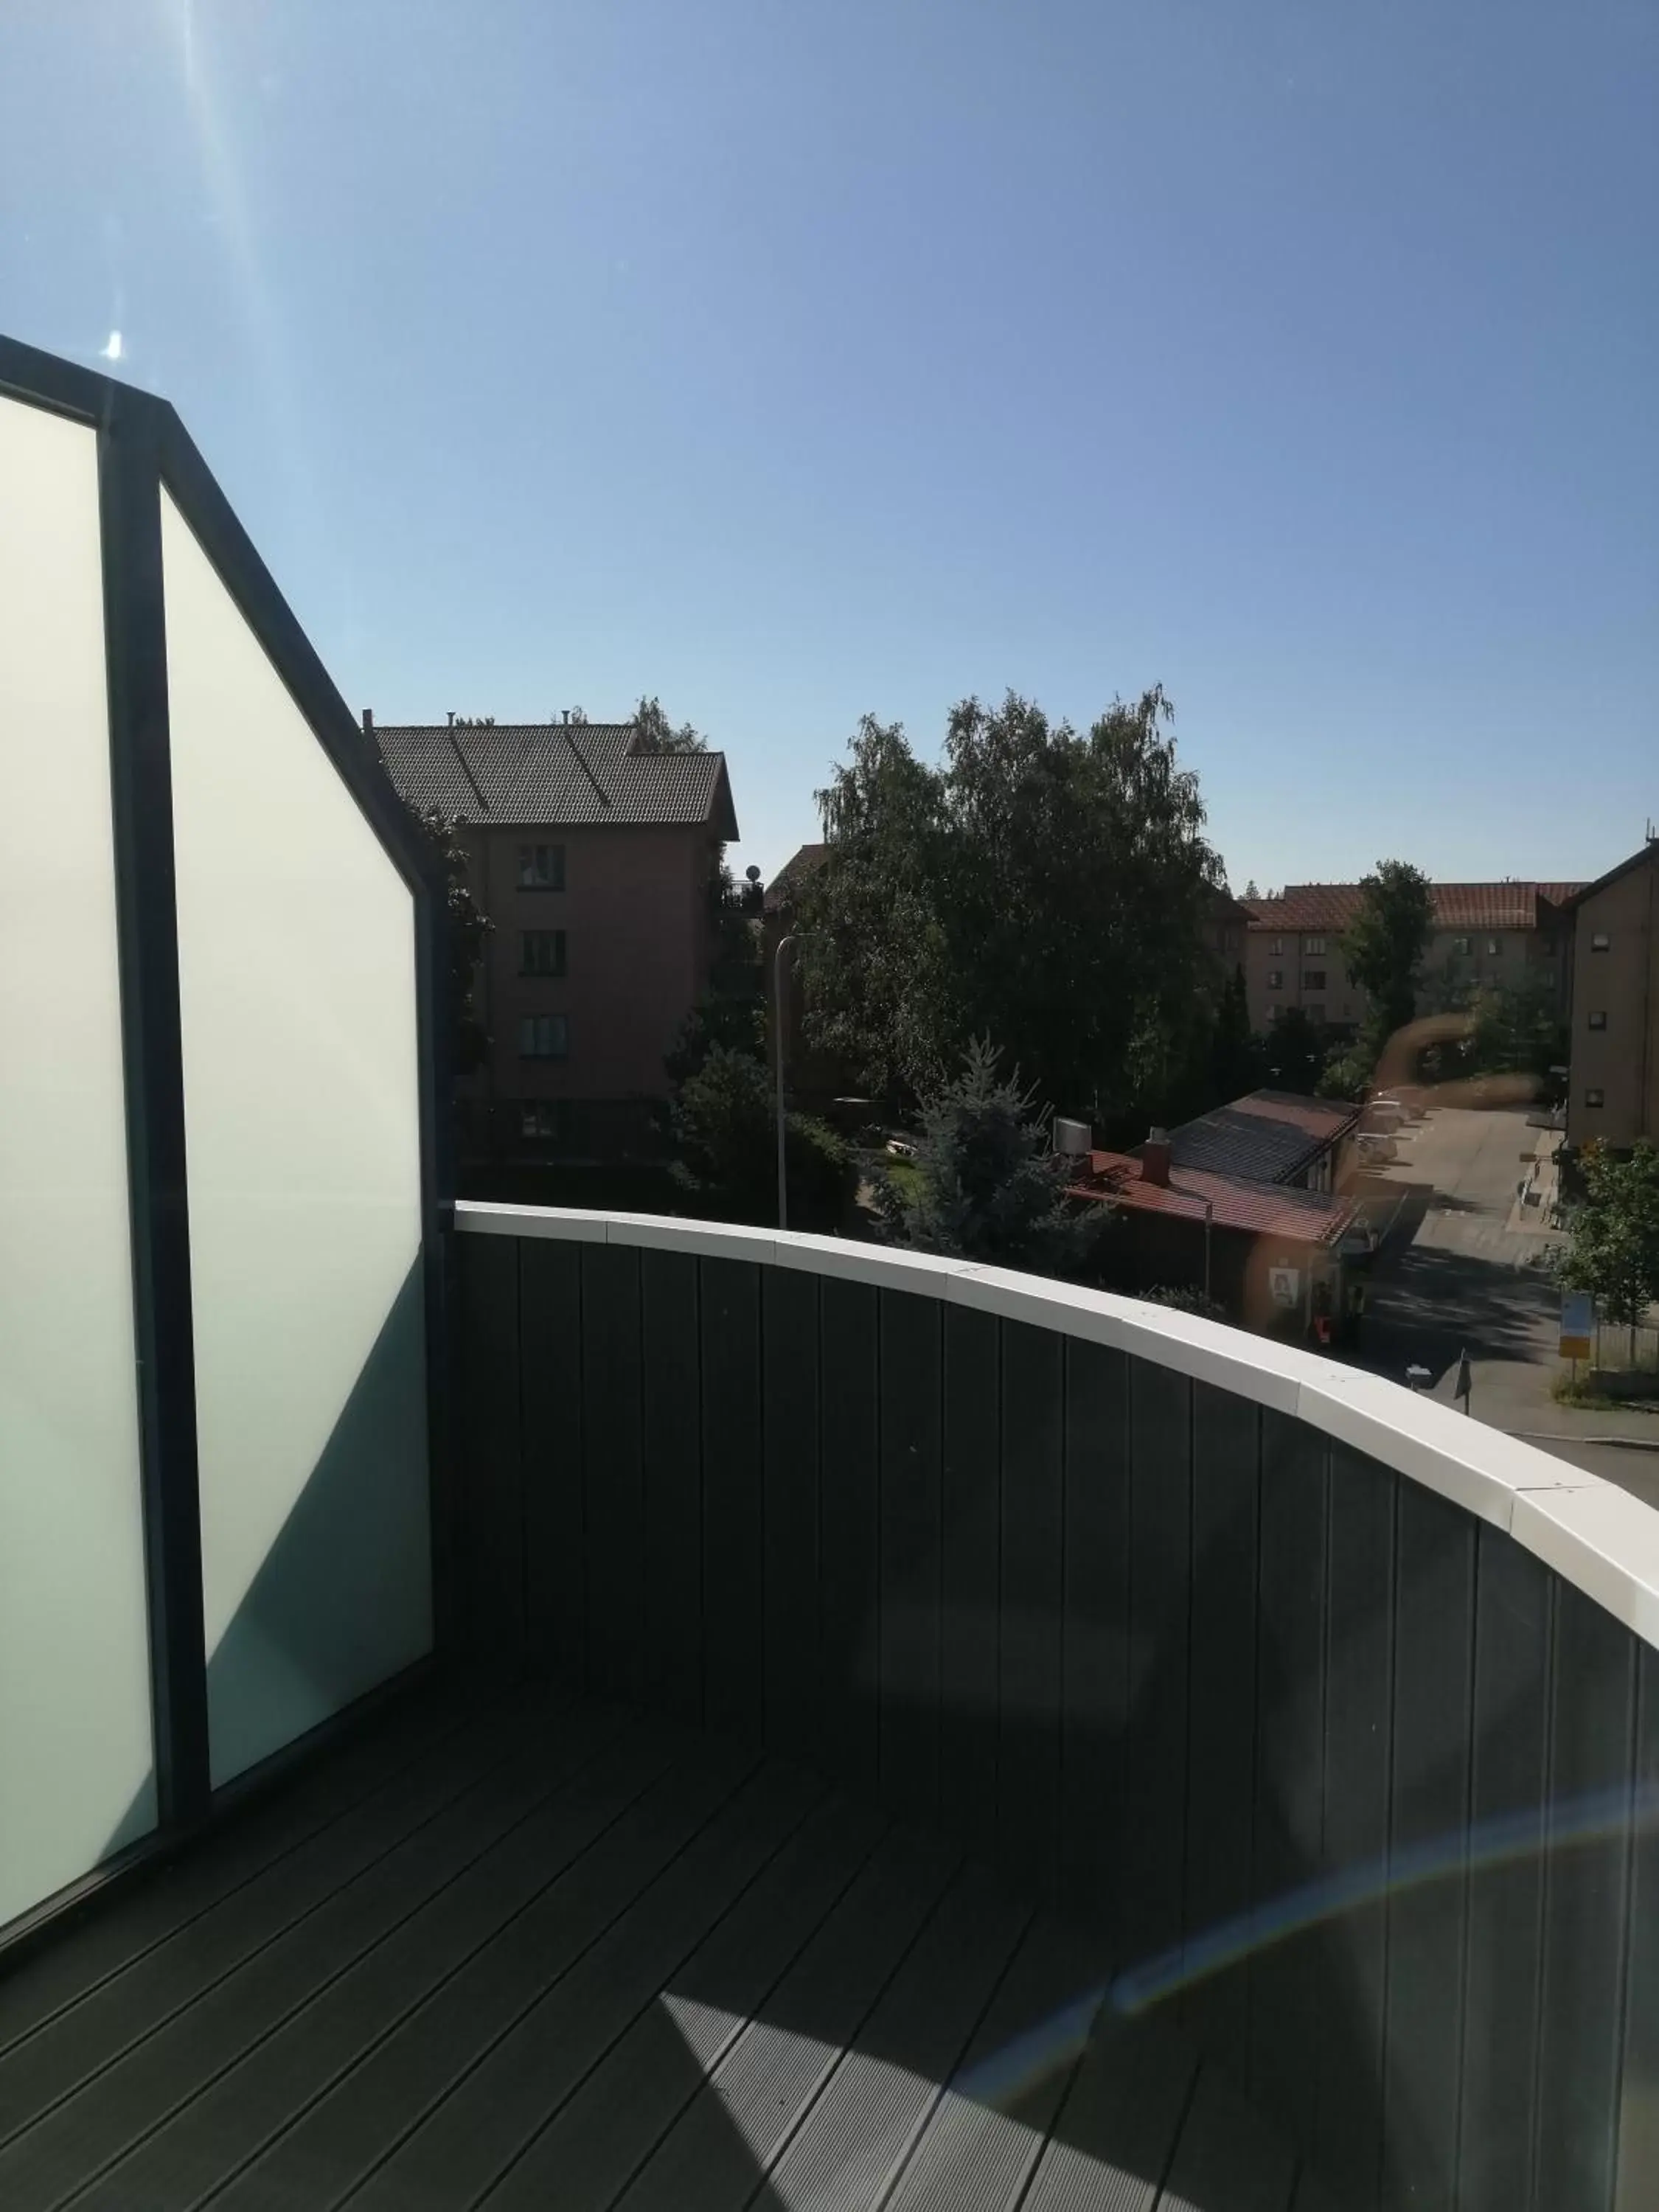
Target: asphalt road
1470, 1279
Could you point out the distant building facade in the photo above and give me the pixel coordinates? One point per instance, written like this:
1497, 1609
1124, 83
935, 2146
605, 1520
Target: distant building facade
595, 861
1497, 934
1613, 1091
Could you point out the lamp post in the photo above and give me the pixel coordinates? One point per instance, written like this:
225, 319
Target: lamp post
784, 943
1208, 1205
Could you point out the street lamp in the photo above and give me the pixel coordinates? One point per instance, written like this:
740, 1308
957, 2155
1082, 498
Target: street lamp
784, 943
1208, 1205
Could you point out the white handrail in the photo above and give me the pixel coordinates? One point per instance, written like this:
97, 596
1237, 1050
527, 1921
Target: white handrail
1594, 1535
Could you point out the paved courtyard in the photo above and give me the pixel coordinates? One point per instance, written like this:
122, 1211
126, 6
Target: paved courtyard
1471, 1277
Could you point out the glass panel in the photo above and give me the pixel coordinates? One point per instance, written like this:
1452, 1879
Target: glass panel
296, 965
76, 1776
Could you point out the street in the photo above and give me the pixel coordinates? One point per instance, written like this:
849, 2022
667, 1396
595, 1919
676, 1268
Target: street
1472, 1278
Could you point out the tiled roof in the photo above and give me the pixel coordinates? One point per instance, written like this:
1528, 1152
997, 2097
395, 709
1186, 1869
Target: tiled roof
1267, 1137
1262, 1209
801, 864
556, 774
1456, 906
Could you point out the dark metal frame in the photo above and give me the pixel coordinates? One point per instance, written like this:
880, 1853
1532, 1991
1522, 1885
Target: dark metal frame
143, 448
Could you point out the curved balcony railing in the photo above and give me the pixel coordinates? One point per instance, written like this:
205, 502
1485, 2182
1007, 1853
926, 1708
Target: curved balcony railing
1340, 1711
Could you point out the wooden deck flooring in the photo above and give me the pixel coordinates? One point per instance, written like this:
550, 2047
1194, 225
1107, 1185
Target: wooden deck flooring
528, 1951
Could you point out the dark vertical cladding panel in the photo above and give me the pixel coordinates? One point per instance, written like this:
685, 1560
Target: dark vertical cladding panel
1288, 1839
1434, 1607
1221, 1738
1160, 1563
732, 1532
1033, 1521
789, 1314
912, 1353
671, 1442
971, 1535
849, 1635
1638, 2170
1096, 1631
491, 1503
551, 1393
1592, 1700
613, 1500
1358, 1741
1509, 1733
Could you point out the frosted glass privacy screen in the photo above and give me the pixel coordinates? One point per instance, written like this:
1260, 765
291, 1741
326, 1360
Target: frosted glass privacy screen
75, 1751
297, 982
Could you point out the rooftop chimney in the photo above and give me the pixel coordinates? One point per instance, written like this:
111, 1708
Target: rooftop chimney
1155, 1158
368, 721
452, 718
565, 714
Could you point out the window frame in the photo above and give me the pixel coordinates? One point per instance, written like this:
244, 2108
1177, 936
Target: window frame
555, 938
1275, 979
528, 880
529, 1027
1313, 979
1314, 948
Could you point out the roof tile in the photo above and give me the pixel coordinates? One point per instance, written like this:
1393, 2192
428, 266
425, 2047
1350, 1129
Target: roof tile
557, 773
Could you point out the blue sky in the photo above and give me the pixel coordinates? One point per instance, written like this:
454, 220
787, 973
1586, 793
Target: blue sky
792, 361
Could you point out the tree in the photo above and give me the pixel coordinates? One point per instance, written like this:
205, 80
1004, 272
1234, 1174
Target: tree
986, 1185
723, 1123
657, 734
1236, 1054
1294, 1052
1249, 890
1384, 944
1613, 1250
1043, 887
468, 926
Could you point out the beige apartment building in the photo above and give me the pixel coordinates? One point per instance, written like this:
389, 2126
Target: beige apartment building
1497, 934
594, 861
1613, 1087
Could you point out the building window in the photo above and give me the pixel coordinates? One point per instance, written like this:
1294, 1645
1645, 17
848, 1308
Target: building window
1462, 945
541, 1118
541, 867
1313, 979
1277, 947
541, 952
1600, 941
1275, 979
1315, 1015
544, 1036
1313, 945
1493, 948
1598, 1021
1596, 1098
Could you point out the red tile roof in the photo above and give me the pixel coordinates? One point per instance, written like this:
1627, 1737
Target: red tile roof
1456, 906
1261, 1210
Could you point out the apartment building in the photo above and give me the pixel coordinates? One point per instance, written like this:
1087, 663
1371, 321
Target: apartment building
594, 861
1497, 934
1613, 1087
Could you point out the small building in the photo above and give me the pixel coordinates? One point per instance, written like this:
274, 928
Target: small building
1268, 1137
1242, 1204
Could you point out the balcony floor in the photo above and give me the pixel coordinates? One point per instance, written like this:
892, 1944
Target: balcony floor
523, 1950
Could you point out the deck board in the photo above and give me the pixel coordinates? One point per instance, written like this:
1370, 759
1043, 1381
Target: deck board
540, 1952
